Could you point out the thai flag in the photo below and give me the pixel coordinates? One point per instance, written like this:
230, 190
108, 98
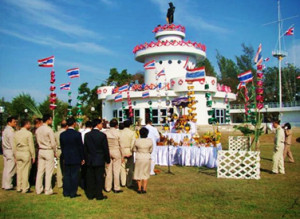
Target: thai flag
289, 32
150, 65
196, 74
145, 94
186, 62
241, 85
161, 73
73, 73
245, 77
266, 59
46, 62
118, 98
123, 88
258, 58
66, 86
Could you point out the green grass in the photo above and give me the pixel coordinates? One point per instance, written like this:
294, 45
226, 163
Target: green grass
190, 193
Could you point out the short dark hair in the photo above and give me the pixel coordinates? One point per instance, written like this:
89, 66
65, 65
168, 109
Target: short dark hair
148, 121
63, 124
88, 124
70, 121
113, 123
95, 122
37, 120
276, 121
24, 122
144, 132
46, 117
11, 118
288, 125
121, 126
127, 123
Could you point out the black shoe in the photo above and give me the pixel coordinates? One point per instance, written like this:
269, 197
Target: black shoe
106, 191
28, 191
140, 192
122, 186
9, 189
144, 192
102, 198
118, 191
74, 196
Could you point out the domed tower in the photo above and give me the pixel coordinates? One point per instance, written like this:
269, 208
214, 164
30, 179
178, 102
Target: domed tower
170, 52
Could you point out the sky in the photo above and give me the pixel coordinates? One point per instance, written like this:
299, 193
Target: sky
97, 35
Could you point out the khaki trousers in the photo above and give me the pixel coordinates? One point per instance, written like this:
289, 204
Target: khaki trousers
278, 162
112, 171
23, 170
9, 169
45, 166
127, 171
58, 170
287, 152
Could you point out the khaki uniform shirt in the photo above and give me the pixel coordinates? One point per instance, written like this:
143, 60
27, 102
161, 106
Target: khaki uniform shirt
57, 135
288, 136
279, 138
8, 138
45, 138
23, 142
127, 139
113, 138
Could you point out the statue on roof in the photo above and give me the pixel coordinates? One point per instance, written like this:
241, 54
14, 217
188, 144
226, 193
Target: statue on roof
170, 13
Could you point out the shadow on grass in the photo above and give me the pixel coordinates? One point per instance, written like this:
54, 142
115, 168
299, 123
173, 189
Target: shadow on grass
208, 171
263, 158
266, 171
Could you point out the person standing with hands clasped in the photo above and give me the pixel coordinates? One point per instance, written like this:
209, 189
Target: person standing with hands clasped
24, 153
288, 142
278, 163
72, 156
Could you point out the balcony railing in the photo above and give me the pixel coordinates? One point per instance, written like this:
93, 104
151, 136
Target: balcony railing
270, 105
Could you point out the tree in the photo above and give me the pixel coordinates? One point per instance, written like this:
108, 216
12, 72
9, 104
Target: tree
209, 69
21, 103
119, 78
245, 61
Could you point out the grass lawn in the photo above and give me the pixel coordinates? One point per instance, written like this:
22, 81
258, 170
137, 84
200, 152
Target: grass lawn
190, 193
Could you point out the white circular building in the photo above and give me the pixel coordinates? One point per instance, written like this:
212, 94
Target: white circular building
170, 54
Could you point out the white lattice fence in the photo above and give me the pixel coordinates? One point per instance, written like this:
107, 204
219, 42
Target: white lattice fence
239, 164
239, 143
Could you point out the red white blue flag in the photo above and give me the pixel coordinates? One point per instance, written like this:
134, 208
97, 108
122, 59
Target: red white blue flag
123, 88
73, 73
46, 62
196, 74
266, 59
150, 65
186, 62
245, 77
289, 32
66, 86
161, 73
258, 58
118, 98
241, 85
145, 94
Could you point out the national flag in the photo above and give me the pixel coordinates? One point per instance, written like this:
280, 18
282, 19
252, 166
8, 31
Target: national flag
196, 74
66, 86
123, 88
73, 73
118, 97
245, 77
161, 73
289, 32
150, 65
46, 62
241, 85
186, 62
145, 94
258, 58
266, 59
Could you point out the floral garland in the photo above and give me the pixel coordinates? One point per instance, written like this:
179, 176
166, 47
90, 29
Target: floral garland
169, 27
169, 43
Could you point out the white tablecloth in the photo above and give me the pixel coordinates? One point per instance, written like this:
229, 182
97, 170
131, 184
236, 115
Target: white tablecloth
177, 137
188, 156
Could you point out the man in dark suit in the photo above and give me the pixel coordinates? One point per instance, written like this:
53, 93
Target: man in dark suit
97, 154
72, 156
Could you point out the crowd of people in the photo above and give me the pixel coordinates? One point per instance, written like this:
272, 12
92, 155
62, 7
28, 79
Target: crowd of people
97, 159
93, 158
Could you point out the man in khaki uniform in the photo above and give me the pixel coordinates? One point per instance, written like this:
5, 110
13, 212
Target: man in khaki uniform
9, 168
127, 139
47, 148
288, 142
24, 153
112, 169
63, 127
278, 162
